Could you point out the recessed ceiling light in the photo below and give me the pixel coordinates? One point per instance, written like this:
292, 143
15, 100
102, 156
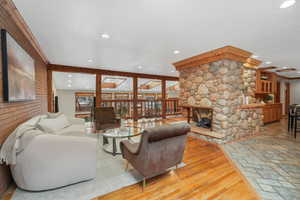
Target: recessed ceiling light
254, 56
140, 67
105, 36
70, 81
268, 62
90, 60
287, 3
69, 85
172, 71
70, 75
176, 52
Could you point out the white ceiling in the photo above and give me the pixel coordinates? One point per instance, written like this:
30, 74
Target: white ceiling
146, 32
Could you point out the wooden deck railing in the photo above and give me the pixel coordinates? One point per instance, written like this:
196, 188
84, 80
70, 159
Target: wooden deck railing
145, 108
172, 107
124, 106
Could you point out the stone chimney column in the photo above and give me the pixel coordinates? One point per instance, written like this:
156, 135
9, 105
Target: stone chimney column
219, 79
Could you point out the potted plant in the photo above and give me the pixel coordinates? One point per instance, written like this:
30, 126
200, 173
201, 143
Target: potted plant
123, 113
269, 98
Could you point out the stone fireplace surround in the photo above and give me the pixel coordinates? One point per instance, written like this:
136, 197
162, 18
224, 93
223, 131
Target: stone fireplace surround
219, 79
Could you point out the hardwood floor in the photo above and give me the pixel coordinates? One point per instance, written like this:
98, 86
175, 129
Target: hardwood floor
208, 174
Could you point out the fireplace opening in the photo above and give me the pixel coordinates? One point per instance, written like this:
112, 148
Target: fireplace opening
202, 117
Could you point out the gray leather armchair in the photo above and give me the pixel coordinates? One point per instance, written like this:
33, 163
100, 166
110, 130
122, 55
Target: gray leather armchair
159, 149
105, 118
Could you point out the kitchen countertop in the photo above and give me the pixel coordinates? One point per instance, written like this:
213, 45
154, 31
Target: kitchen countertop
251, 106
256, 105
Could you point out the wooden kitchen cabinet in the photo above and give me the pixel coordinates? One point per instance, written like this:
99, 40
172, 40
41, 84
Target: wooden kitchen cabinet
272, 112
266, 82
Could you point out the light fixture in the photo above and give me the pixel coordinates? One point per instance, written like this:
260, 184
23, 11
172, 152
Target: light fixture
268, 62
70, 75
69, 85
287, 3
284, 67
176, 52
90, 60
254, 56
105, 36
172, 71
140, 67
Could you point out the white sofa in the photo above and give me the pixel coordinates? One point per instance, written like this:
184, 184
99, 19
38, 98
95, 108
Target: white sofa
55, 160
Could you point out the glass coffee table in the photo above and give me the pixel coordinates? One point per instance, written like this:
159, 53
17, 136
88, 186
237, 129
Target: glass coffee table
113, 137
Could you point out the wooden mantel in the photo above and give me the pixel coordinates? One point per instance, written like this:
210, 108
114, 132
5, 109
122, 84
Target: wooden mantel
227, 52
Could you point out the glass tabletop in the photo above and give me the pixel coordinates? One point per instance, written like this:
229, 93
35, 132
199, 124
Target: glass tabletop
128, 129
122, 132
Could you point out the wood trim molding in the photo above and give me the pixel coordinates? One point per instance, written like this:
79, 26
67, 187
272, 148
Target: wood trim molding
294, 78
98, 90
227, 52
49, 90
286, 70
252, 63
64, 68
15, 15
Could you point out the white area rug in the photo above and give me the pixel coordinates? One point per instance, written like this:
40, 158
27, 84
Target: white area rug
111, 176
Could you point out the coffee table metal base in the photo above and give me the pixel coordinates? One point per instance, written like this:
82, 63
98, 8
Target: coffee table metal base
112, 145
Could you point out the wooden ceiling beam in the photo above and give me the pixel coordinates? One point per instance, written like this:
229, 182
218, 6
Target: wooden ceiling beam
286, 70
72, 69
288, 78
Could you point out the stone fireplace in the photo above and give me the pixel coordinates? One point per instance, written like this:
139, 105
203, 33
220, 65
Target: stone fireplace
224, 80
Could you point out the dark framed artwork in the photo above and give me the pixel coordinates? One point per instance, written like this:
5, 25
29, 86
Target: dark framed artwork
18, 71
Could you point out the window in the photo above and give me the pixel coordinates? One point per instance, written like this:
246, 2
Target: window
84, 101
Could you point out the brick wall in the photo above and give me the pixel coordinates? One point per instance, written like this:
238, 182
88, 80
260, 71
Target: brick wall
12, 114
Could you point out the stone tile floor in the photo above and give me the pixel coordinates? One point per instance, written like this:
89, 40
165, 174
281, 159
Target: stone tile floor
271, 162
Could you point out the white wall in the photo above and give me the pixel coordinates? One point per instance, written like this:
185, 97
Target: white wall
66, 101
295, 92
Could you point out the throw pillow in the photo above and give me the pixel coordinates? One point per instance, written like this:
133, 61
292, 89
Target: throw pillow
53, 115
34, 121
54, 125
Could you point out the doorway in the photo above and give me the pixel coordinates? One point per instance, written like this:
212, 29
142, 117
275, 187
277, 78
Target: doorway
287, 97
